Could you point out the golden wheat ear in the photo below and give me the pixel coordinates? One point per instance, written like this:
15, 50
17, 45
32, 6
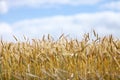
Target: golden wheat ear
63, 59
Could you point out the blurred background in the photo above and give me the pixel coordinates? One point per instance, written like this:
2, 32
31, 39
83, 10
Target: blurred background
35, 18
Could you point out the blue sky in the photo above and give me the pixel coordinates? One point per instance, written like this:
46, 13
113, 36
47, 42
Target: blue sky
34, 18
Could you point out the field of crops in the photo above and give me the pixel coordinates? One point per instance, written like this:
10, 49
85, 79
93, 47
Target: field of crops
61, 59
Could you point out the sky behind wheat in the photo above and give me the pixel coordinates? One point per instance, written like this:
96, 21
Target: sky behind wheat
33, 18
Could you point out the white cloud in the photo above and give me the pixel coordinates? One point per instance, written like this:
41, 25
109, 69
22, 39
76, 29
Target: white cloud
75, 25
5, 28
114, 5
52, 2
3, 6
103, 22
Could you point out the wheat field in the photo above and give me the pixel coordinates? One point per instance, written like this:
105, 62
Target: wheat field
61, 59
